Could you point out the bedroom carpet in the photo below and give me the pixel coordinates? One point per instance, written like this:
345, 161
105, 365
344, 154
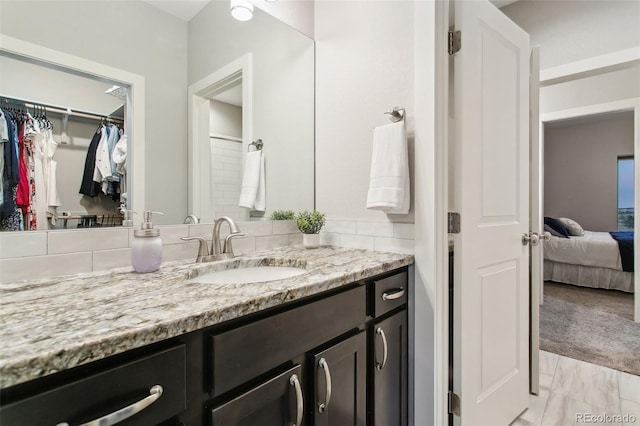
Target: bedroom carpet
591, 325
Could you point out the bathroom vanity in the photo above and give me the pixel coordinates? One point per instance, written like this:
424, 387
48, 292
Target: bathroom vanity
327, 347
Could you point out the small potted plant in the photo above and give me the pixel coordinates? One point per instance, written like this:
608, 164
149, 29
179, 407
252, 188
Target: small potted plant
283, 215
310, 223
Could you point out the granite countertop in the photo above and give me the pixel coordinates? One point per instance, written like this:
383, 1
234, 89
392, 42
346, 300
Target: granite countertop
58, 323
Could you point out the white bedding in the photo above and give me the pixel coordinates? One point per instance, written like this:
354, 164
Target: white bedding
588, 276
597, 249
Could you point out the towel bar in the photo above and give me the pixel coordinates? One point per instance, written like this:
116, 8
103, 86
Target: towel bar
396, 114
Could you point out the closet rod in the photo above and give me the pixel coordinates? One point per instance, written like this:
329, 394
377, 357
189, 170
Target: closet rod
60, 110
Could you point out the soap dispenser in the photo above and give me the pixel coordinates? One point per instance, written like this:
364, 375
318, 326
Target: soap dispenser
146, 249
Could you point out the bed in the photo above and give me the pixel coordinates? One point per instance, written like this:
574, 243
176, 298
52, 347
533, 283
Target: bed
592, 260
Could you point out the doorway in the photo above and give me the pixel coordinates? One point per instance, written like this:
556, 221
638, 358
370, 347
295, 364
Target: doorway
631, 107
220, 125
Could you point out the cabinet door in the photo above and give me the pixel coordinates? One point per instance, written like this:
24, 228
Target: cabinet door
142, 392
389, 366
277, 402
340, 383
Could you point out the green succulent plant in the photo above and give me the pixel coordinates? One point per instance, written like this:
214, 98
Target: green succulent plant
283, 215
310, 222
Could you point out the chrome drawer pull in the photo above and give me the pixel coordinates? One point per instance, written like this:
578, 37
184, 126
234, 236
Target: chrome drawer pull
327, 376
293, 380
393, 295
124, 413
380, 365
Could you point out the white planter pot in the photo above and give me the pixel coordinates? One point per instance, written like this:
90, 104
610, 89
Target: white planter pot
311, 240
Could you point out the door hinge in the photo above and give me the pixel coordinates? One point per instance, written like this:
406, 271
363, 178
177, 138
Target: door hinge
455, 42
454, 404
453, 223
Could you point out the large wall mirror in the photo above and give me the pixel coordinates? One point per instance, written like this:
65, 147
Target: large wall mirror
193, 97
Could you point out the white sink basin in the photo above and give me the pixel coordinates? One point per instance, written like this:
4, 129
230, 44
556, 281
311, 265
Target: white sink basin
249, 275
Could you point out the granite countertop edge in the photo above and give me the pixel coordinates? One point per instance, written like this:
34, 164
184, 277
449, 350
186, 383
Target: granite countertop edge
50, 350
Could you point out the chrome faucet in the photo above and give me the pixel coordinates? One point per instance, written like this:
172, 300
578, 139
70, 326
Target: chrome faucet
215, 239
204, 255
192, 218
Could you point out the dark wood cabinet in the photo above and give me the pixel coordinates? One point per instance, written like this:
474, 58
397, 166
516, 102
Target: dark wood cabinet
389, 371
339, 394
277, 402
345, 348
146, 391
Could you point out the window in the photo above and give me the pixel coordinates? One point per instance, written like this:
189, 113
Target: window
625, 193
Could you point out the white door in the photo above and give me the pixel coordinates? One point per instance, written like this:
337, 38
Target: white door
491, 192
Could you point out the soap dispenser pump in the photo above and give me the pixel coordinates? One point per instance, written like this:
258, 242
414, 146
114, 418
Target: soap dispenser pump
146, 249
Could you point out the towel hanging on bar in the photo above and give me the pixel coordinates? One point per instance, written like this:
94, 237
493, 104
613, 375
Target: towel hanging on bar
389, 187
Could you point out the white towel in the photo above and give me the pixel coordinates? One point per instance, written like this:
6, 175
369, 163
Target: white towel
252, 193
389, 179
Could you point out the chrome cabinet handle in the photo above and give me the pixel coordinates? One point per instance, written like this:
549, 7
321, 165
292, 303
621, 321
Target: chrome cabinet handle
293, 380
393, 295
124, 413
545, 236
380, 365
327, 376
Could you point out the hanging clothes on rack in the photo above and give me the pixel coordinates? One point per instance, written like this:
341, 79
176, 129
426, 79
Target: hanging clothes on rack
88, 187
29, 195
10, 214
51, 171
4, 138
38, 206
112, 187
119, 158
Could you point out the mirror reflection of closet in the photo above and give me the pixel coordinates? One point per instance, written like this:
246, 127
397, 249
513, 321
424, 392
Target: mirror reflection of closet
77, 106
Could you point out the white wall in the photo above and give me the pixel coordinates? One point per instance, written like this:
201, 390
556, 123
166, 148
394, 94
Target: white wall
610, 87
225, 119
283, 93
40, 84
364, 67
296, 13
371, 56
138, 38
580, 176
569, 31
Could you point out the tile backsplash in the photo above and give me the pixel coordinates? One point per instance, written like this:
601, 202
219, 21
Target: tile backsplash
379, 236
41, 254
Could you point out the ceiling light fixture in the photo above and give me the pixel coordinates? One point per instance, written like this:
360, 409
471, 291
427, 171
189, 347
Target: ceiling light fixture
242, 10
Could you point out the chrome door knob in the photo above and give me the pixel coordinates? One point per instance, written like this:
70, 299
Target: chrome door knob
530, 238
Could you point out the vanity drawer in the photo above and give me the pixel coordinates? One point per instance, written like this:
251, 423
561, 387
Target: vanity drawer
109, 391
389, 293
246, 352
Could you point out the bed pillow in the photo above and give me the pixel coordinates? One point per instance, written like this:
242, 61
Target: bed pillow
553, 232
572, 226
557, 225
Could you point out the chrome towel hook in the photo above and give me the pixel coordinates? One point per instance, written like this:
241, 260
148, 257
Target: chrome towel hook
396, 114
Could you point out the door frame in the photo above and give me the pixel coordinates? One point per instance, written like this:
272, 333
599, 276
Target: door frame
632, 104
198, 97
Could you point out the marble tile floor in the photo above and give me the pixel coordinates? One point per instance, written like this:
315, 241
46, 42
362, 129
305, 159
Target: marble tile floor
574, 392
